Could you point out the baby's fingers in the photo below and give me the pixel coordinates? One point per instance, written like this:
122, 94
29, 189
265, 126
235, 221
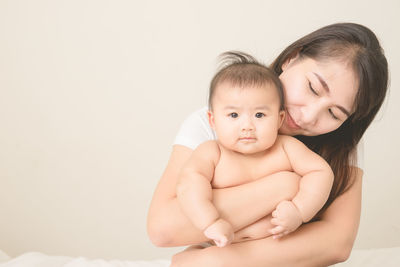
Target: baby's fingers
277, 230
275, 221
222, 241
274, 214
277, 236
281, 235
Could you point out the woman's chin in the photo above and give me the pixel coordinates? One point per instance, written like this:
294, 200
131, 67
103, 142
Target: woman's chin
285, 130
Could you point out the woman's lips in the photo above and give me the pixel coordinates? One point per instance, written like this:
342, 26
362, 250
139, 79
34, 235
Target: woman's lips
291, 123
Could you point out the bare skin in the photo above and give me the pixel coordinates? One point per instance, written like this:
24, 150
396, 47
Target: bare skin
309, 111
166, 220
232, 168
308, 246
332, 239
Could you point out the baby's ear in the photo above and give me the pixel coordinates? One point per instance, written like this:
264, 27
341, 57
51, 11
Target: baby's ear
211, 118
281, 118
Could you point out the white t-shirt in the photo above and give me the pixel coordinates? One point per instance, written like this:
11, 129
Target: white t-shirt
196, 130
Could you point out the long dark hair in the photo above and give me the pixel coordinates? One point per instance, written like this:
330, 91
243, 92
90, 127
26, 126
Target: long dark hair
357, 45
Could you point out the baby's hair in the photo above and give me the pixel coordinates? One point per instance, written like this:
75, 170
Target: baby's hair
240, 69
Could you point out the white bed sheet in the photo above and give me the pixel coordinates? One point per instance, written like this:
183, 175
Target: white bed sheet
380, 257
36, 259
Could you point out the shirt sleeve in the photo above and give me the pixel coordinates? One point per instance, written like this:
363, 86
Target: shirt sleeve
195, 130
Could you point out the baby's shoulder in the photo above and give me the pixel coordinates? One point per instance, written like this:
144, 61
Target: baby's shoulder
208, 144
208, 147
287, 142
285, 139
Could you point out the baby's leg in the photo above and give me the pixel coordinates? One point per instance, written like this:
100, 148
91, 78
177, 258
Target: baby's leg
257, 230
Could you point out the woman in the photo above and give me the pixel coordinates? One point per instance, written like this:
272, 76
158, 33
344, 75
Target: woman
335, 81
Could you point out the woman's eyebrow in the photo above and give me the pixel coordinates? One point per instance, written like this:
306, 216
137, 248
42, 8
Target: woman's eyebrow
326, 88
322, 81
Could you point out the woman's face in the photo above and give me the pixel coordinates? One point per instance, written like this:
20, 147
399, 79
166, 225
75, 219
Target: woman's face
319, 96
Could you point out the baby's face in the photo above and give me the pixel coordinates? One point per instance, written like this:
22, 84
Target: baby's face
246, 120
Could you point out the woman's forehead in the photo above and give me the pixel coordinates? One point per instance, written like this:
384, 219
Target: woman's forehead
339, 79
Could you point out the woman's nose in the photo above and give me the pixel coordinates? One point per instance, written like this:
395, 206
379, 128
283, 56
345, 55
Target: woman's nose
309, 114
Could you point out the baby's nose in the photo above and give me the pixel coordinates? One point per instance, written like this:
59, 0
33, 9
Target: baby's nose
247, 125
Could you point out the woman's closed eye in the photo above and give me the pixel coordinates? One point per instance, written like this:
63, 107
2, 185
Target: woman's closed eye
333, 114
312, 89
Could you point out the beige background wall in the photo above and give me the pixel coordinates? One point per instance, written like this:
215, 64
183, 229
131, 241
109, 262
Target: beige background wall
92, 93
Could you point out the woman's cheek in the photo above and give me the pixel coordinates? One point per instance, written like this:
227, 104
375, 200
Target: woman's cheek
288, 90
295, 95
294, 88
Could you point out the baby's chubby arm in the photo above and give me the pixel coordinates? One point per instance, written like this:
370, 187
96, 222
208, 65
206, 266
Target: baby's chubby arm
194, 193
314, 189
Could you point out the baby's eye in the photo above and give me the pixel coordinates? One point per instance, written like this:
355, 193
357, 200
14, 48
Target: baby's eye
233, 115
259, 115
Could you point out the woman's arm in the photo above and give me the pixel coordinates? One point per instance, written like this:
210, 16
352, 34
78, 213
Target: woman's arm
168, 226
320, 243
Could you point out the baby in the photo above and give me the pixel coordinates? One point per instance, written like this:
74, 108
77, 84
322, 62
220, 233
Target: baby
246, 109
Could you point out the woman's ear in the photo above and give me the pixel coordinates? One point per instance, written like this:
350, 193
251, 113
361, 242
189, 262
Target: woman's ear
211, 119
289, 60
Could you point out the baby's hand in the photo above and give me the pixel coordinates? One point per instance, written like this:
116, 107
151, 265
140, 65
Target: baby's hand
286, 217
221, 232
